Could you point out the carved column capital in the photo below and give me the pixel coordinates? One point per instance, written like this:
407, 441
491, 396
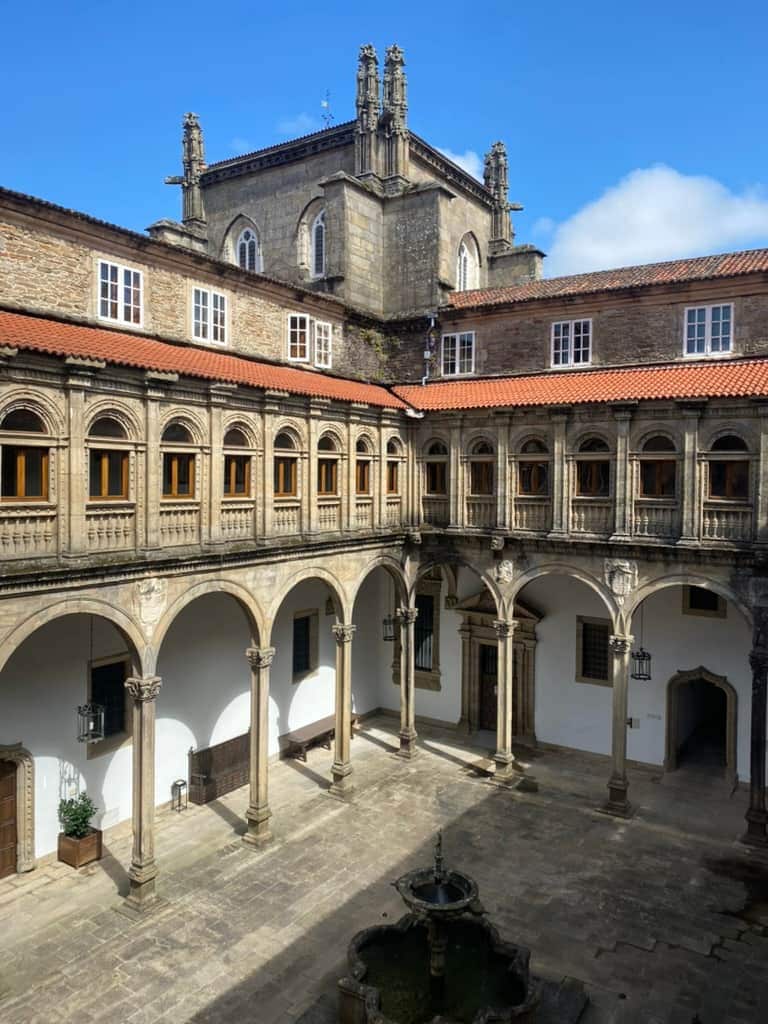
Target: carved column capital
504, 628
619, 644
260, 657
406, 615
343, 631
143, 688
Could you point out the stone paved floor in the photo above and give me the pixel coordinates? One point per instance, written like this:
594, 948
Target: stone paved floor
645, 912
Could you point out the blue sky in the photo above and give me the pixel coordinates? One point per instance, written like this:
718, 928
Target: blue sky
634, 132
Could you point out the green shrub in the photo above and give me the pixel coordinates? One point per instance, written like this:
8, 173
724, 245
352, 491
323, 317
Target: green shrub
75, 815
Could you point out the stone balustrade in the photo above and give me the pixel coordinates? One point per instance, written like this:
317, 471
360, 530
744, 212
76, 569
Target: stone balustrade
110, 527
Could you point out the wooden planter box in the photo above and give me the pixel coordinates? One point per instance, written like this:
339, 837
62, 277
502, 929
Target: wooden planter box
78, 852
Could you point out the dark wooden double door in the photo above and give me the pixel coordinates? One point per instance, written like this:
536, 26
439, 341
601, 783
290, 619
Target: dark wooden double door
7, 818
488, 675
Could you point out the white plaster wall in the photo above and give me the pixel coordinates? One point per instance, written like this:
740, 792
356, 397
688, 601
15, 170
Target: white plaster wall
205, 694
40, 689
567, 713
680, 642
371, 654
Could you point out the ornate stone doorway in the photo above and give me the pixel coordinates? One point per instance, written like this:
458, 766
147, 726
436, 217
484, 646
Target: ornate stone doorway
701, 724
17, 817
479, 666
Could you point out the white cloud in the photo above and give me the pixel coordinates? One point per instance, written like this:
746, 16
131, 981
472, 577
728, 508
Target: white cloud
469, 161
301, 124
656, 213
542, 227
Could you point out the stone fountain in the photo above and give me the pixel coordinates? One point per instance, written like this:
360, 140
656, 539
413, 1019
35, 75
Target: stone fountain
445, 963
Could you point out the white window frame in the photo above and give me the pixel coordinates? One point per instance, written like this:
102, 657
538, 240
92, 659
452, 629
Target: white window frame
324, 361
708, 352
556, 360
122, 270
457, 337
307, 340
314, 272
207, 332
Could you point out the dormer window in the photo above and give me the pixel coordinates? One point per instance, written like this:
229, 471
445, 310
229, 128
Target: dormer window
708, 330
318, 245
572, 343
458, 354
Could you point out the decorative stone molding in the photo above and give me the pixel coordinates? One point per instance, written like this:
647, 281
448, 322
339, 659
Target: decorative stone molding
413, 536
343, 632
406, 615
619, 644
149, 601
620, 576
143, 688
503, 629
260, 657
505, 571
497, 542
25, 804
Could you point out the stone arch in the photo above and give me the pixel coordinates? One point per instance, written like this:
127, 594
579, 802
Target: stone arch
342, 606
236, 227
563, 569
115, 410
244, 598
332, 430
294, 430
589, 433
304, 225
434, 439
451, 564
635, 599
79, 606
237, 421
476, 437
716, 431
365, 437
523, 437
23, 398
185, 419
682, 678
641, 438
25, 804
394, 570
468, 263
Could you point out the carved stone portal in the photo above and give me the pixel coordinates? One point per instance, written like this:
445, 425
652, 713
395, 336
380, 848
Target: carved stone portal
25, 804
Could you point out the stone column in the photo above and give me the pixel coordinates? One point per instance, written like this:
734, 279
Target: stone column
757, 817
761, 478
310, 480
560, 489
504, 758
407, 620
153, 468
258, 814
690, 525
503, 477
143, 871
341, 769
621, 488
618, 785
465, 722
456, 507
78, 456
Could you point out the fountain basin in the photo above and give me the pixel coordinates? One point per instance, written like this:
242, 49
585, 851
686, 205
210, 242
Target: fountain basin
486, 979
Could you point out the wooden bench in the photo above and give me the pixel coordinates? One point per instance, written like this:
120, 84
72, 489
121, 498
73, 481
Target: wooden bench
298, 741
216, 770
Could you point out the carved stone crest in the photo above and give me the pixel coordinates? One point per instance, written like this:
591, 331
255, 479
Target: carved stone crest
621, 577
150, 598
505, 571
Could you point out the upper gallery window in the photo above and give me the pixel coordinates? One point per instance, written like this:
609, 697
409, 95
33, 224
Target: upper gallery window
658, 468
248, 251
593, 473
533, 469
308, 338
323, 335
285, 466
237, 466
481, 466
466, 267
209, 316
120, 295
571, 343
393, 466
178, 466
458, 353
708, 330
729, 469
107, 467
24, 467
318, 245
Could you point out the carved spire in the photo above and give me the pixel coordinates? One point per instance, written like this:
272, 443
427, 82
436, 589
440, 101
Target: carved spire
367, 110
496, 178
193, 161
395, 107
394, 120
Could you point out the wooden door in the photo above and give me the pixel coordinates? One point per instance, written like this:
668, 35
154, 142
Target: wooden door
489, 677
7, 818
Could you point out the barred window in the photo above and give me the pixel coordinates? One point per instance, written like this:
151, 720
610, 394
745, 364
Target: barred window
592, 653
424, 631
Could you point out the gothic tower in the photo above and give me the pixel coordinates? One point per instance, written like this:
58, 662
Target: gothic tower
193, 162
367, 104
496, 179
394, 120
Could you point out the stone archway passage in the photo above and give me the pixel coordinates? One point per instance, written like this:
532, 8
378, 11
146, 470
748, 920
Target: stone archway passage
674, 688
23, 802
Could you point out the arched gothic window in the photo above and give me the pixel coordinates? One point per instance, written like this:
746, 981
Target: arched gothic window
248, 251
466, 267
318, 245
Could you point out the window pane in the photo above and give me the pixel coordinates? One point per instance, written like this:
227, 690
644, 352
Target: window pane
184, 474
9, 482
594, 650
392, 477
115, 462
449, 354
219, 319
35, 461
481, 477
424, 632
167, 474
534, 478
108, 689
301, 645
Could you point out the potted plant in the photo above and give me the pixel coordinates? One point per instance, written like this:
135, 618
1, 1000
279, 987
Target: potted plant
79, 844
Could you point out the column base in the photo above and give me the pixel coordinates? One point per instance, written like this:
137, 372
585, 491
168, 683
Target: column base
257, 820
342, 785
142, 898
408, 748
617, 803
757, 829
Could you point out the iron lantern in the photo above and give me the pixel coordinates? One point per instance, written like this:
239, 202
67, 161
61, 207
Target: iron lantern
179, 799
388, 624
641, 664
90, 723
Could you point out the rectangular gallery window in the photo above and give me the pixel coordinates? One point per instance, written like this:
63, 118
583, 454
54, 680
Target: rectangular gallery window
120, 293
458, 354
571, 343
708, 330
237, 476
298, 338
209, 316
108, 473
24, 473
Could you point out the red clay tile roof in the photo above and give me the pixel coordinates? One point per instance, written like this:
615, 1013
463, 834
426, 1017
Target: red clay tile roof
38, 334
717, 379
702, 268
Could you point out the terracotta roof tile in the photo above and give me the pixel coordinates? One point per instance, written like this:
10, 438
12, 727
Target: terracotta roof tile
729, 264
38, 334
717, 379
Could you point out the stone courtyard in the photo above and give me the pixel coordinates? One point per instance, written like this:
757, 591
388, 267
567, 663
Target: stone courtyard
661, 916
